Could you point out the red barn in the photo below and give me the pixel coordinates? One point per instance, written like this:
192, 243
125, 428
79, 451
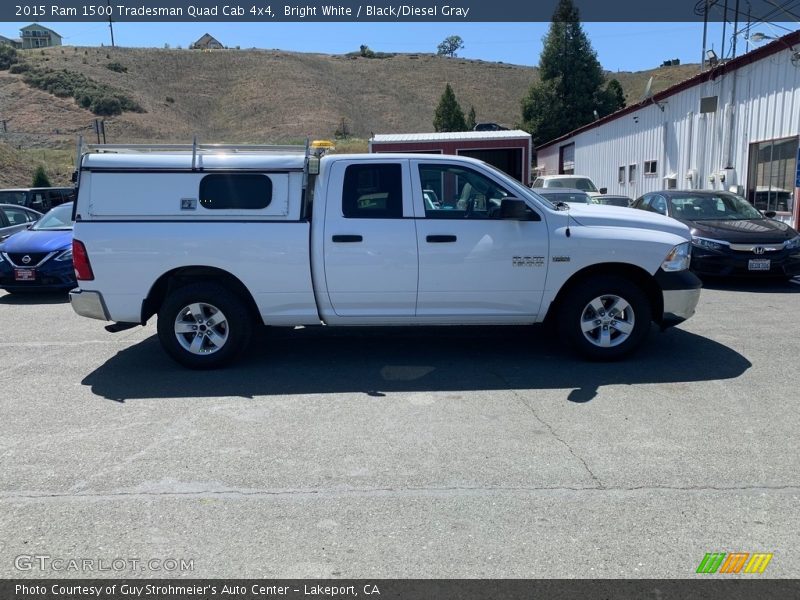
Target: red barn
508, 150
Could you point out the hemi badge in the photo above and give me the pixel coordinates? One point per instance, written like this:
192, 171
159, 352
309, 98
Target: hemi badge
561, 259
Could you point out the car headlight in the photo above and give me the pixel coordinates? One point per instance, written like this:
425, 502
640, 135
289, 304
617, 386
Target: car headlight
678, 258
708, 244
793, 243
65, 255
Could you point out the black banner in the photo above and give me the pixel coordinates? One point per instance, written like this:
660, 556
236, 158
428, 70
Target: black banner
711, 588
399, 10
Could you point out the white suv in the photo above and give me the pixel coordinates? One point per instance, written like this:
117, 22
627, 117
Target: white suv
578, 182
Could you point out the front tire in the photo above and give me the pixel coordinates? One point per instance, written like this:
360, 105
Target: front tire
605, 317
203, 325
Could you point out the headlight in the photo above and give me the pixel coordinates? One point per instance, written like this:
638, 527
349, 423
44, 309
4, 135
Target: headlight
708, 244
65, 255
792, 243
678, 258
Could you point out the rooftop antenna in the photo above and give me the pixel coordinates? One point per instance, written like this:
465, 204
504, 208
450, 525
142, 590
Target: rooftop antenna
648, 90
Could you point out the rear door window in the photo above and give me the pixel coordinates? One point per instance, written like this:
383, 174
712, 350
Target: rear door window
373, 191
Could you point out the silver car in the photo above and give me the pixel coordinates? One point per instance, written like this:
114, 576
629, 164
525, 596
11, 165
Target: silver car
14, 218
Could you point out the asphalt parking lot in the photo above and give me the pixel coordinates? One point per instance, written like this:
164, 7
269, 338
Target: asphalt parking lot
438, 452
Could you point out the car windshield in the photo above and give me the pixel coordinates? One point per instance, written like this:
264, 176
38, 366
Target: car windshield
12, 197
570, 197
60, 218
716, 207
579, 183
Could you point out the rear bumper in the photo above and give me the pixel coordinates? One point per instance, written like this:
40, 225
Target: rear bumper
89, 304
681, 293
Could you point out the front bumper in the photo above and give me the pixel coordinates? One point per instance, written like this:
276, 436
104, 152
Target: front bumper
88, 304
50, 276
783, 263
681, 293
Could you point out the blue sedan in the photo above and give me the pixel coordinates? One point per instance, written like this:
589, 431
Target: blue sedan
40, 258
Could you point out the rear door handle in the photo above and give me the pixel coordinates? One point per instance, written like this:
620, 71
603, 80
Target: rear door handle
347, 238
440, 239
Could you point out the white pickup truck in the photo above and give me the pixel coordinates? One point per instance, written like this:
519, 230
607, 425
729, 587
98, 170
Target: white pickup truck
217, 239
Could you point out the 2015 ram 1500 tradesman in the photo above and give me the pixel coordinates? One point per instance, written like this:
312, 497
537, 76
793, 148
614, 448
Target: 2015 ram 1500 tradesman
216, 239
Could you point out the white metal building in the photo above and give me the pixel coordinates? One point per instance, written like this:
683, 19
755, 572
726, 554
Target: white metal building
735, 126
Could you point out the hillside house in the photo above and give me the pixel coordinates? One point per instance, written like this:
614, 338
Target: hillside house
4, 41
207, 42
37, 36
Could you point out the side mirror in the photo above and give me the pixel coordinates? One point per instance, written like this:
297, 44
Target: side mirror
603, 190
516, 210
770, 214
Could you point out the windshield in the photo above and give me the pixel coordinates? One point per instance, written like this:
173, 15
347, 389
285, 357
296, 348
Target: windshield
60, 218
717, 207
11, 197
570, 197
579, 183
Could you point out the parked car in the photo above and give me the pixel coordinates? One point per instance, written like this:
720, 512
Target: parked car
40, 258
15, 218
729, 236
578, 182
40, 199
570, 196
612, 200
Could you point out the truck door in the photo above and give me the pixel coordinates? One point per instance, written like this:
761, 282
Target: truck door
370, 243
473, 265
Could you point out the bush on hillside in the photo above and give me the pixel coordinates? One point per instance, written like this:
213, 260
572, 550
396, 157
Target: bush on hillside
8, 56
86, 92
117, 67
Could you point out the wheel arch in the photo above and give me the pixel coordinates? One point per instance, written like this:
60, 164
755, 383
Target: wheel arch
634, 273
181, 276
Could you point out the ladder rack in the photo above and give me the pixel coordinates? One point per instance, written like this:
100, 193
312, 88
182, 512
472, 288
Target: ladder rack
194, 148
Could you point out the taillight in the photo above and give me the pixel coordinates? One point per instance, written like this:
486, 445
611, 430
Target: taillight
80, 262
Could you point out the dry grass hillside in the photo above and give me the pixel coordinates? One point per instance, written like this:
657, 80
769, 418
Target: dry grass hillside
265, 95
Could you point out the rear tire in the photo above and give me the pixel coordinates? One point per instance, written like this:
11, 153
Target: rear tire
605, 317
203, 325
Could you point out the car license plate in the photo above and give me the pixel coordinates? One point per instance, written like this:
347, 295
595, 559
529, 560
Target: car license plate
25, 274
758, 264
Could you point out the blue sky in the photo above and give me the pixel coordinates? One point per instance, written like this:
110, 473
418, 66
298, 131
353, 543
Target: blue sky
619, 46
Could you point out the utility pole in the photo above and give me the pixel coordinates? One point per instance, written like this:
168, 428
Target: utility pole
705, 33
110, 23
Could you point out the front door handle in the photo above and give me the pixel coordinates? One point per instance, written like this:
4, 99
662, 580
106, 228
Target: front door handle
440, 239
347, 238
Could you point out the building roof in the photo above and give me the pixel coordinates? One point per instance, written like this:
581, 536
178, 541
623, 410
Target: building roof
207, 38
39, 27
450, 136
784, 43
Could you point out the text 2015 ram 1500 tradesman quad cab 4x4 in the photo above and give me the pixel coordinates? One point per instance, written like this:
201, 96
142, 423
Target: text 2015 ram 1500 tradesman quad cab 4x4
216, 239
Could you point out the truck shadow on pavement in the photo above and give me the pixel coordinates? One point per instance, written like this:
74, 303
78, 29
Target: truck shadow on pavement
758, 286
34, 298
374, 361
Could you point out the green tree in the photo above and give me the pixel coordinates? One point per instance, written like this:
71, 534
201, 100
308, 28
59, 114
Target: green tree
448, 115
40, 178
570, 87
471, 118
450, 46
613, 97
